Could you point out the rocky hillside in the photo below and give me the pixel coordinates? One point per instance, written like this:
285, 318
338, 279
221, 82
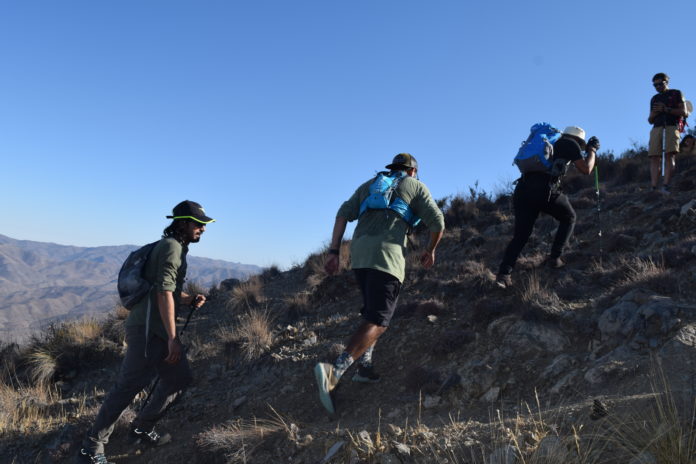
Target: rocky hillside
592, 363
45, 282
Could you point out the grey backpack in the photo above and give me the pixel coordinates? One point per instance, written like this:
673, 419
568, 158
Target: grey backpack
132, 285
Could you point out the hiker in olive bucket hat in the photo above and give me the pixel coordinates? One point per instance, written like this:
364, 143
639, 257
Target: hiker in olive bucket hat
386, 207
540, 192
154, 348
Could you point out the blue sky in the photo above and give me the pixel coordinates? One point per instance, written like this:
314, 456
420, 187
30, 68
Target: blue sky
270, 113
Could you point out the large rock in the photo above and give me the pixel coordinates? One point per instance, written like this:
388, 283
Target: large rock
527, 338
638, 320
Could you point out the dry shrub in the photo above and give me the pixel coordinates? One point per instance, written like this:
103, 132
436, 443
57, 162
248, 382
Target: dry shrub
541, 300
247, 294
254, 333
646, 273
121, 313
42, 364
194, 288
316, 262
660, 430
240, 439
297, 305
460, 211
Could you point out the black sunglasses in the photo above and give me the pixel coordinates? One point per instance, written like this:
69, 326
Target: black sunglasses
659, 84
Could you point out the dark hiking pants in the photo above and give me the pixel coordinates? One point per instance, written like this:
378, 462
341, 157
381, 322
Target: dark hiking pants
533, 196
136, 373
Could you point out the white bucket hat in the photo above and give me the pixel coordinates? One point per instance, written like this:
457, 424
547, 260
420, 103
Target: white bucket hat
576, 132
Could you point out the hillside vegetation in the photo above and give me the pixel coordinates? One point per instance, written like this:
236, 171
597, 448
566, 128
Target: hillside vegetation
592, 363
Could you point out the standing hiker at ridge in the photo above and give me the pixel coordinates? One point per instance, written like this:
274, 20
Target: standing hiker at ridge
539, 191
667, 113
153, 345
386, 207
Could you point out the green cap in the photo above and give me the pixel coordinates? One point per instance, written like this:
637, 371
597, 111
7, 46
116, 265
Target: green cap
403, 160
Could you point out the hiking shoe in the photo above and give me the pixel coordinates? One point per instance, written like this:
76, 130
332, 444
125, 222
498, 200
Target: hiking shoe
326, 381
503, 280
89, 458
366, 374
554, 263
151, 438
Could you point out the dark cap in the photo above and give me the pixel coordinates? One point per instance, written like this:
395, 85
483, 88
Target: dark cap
403, 160
190, 210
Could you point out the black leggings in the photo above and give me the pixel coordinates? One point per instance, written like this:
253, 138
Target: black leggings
533, 196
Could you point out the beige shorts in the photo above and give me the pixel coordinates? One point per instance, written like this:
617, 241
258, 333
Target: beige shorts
655, 144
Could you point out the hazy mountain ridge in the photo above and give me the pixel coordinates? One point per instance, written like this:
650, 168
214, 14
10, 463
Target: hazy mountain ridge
41, 282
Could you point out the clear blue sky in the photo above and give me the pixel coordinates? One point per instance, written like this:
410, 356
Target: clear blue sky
270, 113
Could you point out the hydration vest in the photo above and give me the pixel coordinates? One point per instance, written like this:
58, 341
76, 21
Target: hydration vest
536, 153
382, 197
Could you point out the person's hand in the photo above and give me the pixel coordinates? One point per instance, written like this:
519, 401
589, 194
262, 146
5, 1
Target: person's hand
175, 350
197, 301
427, 259
593, 143
331, 264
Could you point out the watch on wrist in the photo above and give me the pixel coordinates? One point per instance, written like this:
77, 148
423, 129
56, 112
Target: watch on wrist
333, 251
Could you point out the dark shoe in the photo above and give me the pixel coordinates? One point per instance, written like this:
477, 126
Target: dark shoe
554, 263
503, 280
151, 438
366, 374
86, 457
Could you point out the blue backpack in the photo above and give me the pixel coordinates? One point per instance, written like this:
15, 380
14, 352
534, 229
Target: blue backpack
382, 197
536, 153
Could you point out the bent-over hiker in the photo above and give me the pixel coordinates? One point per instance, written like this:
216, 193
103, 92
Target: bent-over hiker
667, 113
378, 259
153, 345
538, 192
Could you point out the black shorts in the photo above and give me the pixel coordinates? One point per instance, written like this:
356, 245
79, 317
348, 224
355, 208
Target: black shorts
380, 293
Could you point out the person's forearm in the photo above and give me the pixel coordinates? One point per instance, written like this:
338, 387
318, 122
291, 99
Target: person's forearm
165, 303
590, 160
435, 238
338, 230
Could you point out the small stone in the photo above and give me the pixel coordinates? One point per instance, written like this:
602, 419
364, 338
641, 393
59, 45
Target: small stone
239, 401
432, 318
431, 401
491, 395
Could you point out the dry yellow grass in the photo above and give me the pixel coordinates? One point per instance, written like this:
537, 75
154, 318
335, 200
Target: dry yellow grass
247, 294
239, 439
254, 333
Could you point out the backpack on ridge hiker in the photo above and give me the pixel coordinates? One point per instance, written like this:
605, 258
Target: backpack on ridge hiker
132, 286
382, 197
536, 153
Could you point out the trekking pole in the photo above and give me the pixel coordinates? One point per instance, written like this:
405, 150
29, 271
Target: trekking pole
181, 332
599, 208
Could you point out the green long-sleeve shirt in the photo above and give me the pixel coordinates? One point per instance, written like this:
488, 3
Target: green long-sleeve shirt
379, 240
166, 271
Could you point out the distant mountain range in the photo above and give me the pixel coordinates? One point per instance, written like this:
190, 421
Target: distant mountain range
43, 282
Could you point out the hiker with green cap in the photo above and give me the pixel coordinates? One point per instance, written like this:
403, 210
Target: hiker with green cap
667, 115
540, 191
386, 207
153, 345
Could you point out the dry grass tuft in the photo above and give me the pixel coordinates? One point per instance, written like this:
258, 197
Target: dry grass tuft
246, 295
646, 273
240, 439
316, 262
254, 333
43, 365
194, 288
540, 299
